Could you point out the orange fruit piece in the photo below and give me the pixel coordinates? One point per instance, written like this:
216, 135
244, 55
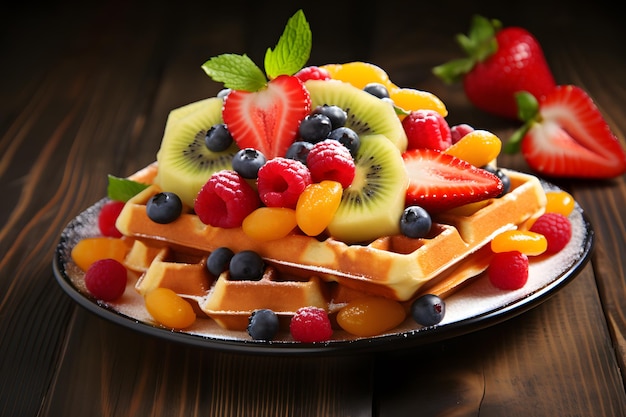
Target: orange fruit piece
359, 74
526, 242
269, 223
90, 250
560, 202
370, 316
478, 147
317, 205
410, 99
169, 309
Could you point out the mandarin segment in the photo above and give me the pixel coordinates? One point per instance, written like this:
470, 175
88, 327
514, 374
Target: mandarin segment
359, 74
478, 147
560, 202
269, 223
370, 316
89, 250
169, 309
317, 206
410, 99
526, 242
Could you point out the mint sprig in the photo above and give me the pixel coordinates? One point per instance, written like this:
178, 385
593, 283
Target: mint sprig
239, 72
123, 189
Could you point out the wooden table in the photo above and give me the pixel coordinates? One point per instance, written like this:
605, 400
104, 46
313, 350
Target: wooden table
85, 89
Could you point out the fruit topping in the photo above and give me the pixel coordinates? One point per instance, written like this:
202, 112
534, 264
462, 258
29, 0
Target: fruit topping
559, 202
218, 138
106, 279
315, 127
565, 135
89, 250
330, 160
310, 325
438, 181
556, 228
460, 130
269, 223
370, 316
247, 162
377, 90
263, 324
219, 260
427, 129
347, 137
372, 205
359, 74
428, 310
478, 147
529, 243
506, 181
169, 309
246, 265
281, 181
508, 270
317, 205
164, 207
225, 200
335, 114
499, 63
299, 151
107, 217
415, 222
312, 73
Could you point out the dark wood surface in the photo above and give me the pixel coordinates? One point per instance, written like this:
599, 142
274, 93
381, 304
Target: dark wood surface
85, 89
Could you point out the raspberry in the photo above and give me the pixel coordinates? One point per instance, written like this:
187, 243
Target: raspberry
106, 279
107, 217
556, 228
508, 270
458, 131
330, 160
281, 181
310, 324
427, 129
312, 73
225, 200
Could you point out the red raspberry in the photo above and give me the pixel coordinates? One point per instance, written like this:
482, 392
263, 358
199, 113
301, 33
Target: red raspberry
556, 228
312, 73
225, 200
508, 270
106, 279
281, 181
107, 217
427, 129
330, 160
458, 131
310, 324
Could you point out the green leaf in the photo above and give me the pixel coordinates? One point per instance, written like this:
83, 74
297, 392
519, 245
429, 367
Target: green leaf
292, 50
527, 106
237, 72
453, 71
123, 189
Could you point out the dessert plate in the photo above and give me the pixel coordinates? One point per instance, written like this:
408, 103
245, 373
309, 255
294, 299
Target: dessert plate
474, 307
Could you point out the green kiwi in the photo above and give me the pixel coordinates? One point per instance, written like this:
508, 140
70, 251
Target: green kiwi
184, 162
373, 204
367, 114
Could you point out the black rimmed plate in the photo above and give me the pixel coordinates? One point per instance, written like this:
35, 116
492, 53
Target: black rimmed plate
476, 306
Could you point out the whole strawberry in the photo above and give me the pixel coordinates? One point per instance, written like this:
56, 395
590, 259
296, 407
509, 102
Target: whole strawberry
500, 62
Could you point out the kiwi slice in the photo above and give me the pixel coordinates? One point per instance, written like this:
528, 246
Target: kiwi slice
367, 115
184, 162
372, 205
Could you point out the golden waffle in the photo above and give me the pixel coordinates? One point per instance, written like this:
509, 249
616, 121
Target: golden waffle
393, 266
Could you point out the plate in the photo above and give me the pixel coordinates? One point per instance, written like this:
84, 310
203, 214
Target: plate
476, 306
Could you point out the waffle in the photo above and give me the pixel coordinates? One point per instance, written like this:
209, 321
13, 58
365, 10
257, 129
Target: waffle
393, 266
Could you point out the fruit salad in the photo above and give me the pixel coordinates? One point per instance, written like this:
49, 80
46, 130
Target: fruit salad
322, 162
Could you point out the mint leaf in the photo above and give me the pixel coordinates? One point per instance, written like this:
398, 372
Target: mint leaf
123, 189
292, 50
237, 72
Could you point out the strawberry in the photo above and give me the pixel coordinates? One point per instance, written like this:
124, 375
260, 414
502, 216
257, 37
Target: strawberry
565, 135
501, 62
268, 119
438, 181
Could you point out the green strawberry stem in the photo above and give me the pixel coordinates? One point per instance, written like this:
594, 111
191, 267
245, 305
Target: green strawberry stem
478, 45
528, 112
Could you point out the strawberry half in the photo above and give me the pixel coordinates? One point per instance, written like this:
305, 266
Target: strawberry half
565, 135
500, 62
439, 182
268, 119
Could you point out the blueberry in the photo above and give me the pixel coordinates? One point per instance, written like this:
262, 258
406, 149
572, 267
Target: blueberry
246, 265
347, 137
506, 181
263, 324
247, 162
164, 207
299, 150
218, 260
218, 138
428, 310
415, 222
314, 127
377, 90
336, 114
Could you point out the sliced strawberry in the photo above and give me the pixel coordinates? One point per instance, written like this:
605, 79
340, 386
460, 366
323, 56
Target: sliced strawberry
570, 138
438, 181
268, 119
